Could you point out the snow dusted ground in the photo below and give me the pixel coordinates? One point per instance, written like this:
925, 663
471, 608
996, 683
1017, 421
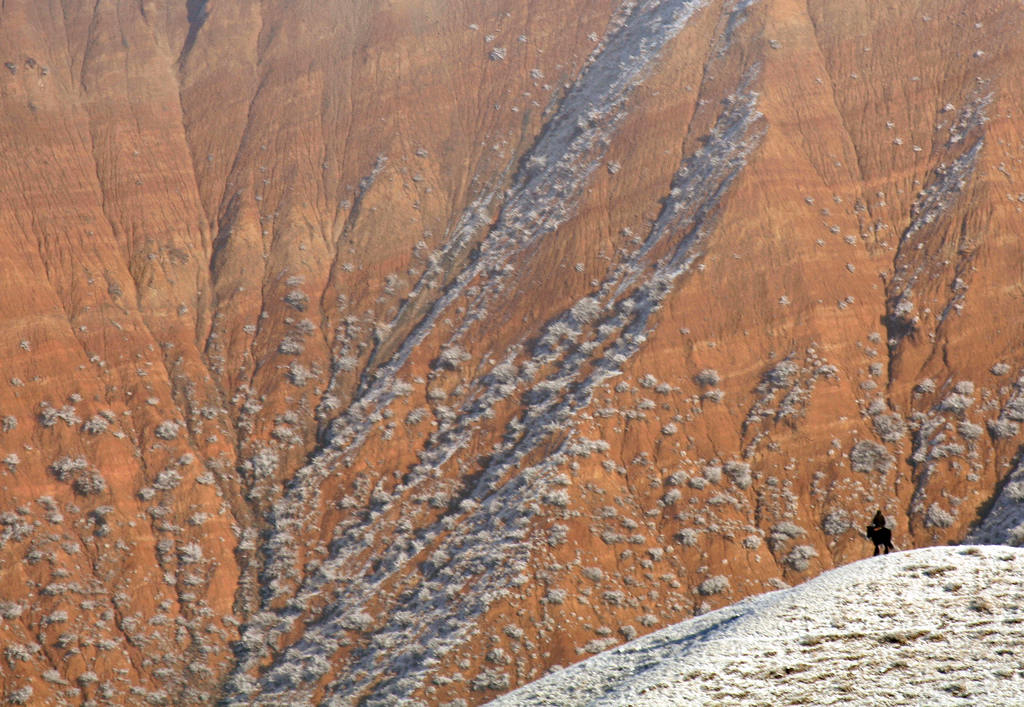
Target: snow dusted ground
935, 626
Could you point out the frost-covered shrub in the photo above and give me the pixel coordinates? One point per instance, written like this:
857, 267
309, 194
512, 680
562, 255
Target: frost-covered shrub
999, 369
498, 656
671, 497
21, 696
593, 573
558, 535
357, 621
1015, 536
514, 632
583, 447
490, 679
1014, 409
964, 388
712, 473
649, 620
556, 596
614, 598
343, 363
799, 557
167, 480
12, 460
788, 529
925, 387
836, 522
290, 346
15, 652
713, 585
948, 449
586, 310
95, 425
707, 377
167, 430
956, 403
89, 484
782, 533
598, 645
49, 415
264, 462
752, 542
450, 357
676, 478
416, 416
936, 517
890, 428
1014, 490
867, 456
739, 473
669, 429
10, 423
298, 375
1003, 428
558, 497
687, 537
969, 431
190, 553
297, 299
782, 374
66, 467
648, 381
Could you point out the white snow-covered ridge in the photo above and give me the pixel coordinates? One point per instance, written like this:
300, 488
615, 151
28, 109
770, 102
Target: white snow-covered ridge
935, 626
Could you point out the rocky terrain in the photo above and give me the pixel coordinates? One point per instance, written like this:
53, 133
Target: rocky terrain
376, 352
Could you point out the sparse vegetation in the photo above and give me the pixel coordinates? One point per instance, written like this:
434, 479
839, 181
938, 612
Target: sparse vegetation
713, 585
867, 456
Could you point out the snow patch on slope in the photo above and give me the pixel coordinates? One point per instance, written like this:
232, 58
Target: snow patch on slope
932, 626
542, 195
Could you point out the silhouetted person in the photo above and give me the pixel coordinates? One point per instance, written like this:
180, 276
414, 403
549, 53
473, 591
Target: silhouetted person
879, 534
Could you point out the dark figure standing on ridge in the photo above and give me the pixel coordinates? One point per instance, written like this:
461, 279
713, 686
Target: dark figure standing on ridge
879, 534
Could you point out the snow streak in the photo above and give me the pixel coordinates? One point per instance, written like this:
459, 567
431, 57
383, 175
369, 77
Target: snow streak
487, 543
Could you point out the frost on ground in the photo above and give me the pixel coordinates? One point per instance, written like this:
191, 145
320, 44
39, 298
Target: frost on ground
555, 380
934, 626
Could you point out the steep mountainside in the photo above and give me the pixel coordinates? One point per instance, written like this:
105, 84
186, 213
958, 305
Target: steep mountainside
378, 351
937, 626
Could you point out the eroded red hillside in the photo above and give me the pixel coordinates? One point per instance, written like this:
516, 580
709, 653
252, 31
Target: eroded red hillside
388, 352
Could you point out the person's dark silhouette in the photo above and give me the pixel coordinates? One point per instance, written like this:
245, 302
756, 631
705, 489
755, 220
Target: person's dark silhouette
879, 534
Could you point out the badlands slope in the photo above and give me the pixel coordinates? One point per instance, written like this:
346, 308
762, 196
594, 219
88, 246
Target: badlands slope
936, 626
391, 352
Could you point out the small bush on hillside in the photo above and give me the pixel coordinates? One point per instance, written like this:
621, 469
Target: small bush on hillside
167, 430
739, 473
799, 557
867, 456
836, 522
1003, 428
713, 585
707, 377
936, 517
